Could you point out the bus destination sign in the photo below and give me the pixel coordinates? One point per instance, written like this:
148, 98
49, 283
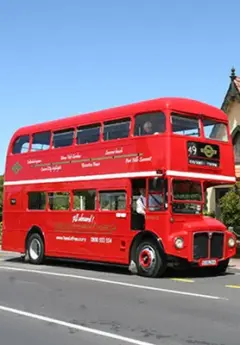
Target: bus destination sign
203, 154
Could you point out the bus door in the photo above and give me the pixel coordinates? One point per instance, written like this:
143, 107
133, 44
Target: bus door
138, 190
112, 225
151, 196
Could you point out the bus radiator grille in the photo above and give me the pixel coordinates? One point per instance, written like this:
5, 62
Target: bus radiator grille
204, 241
217, 244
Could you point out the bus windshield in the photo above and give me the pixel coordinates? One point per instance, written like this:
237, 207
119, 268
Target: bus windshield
215, 130
187, 196
190, 126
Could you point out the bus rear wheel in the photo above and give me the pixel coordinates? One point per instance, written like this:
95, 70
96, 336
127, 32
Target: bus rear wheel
150, 260
35, 249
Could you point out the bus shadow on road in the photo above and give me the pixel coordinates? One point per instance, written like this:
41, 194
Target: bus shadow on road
119, 269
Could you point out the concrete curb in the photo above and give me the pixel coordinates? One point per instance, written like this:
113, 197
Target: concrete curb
235, 263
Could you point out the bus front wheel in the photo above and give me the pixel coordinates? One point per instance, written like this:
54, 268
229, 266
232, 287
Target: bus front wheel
221, 268
150, 260
35, 249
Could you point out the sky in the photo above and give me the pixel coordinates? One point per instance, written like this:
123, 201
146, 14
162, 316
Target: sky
61, 58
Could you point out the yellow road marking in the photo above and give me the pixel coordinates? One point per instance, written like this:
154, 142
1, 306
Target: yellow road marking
183, 280
233, 286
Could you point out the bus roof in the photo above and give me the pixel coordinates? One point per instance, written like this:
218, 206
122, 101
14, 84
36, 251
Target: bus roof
187, 105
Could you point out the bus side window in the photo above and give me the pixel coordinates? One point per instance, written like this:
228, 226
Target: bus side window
116, 129
59, 201
21, 144
63, 138
36, 201
41, 141
113, 200
150, 123
88, 134
84, 200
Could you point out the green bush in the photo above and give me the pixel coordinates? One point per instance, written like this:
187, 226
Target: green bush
0, 233
230, 208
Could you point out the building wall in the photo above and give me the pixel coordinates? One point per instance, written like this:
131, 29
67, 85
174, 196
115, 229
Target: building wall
234, 121
234, 116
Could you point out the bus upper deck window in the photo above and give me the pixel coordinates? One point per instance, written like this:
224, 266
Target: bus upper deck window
215, 130
21, 144
150, 123
41, 141
183, 125
63, 138
88, 134
117, 129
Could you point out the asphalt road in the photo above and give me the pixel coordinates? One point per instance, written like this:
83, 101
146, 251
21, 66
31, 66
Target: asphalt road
62, 303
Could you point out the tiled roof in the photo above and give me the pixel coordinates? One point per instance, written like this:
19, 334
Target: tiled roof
233, 92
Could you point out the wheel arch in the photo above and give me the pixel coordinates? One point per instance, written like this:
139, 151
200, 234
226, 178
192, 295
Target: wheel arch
35, 229
143, 236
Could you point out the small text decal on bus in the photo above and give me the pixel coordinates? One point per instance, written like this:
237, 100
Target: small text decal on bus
71, 156
81, 218
117, 151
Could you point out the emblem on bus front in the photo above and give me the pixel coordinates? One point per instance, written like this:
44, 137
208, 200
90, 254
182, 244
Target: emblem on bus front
208, 151
16, 168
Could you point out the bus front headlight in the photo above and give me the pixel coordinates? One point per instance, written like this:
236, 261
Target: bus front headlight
179, 243
231, 242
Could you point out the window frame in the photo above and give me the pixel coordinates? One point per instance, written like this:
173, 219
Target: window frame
50, 142
234, 141
99, 191
180, 180
195, 203
217, 122
29, 135
124, 119
164, 206
57, 192
69, 129
187, 116
38, 209
91, 125
151, 112
82, 190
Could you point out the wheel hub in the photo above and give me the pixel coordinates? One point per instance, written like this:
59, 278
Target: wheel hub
35, 249
147, 258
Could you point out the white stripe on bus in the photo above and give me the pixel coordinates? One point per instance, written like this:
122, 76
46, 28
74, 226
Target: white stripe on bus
201, 176
84, 178
172, 173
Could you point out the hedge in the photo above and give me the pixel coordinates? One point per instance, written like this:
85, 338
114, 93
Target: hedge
0, 233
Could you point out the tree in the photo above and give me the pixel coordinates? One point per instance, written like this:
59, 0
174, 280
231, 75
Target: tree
230, 207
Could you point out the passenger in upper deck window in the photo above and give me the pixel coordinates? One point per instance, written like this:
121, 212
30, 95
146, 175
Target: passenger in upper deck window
148, 128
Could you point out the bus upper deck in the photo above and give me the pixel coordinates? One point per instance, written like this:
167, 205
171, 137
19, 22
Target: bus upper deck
172, 135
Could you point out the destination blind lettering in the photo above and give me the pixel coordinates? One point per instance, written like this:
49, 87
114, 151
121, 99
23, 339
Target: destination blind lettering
203, 154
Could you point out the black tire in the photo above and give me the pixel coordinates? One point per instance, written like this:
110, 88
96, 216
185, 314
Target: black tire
35, 249
150, 259
221, 268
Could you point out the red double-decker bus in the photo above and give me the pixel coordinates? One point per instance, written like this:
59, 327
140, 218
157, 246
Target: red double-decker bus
125, 186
